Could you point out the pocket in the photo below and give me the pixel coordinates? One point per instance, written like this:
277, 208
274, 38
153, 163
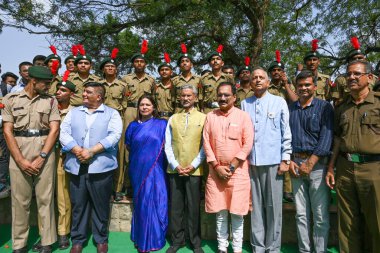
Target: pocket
320, 91
371, 124
274, 119
233, 132
314, 123
21, 117
44, 114
131, 88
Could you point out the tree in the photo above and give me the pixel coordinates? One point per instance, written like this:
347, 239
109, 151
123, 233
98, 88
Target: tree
245, 27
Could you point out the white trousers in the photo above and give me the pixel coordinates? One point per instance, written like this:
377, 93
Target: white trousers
237, 226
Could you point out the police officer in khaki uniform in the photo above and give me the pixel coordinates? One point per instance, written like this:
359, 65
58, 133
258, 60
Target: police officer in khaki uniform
31, 125
356, 155
340, 91
244, 89
210, 81
164, 90
83, 64
323, 82
65, 89
114, 98
138, 84
185, 64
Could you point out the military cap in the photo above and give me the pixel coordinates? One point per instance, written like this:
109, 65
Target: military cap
313, 52
54, 55
218, 52
356, 51
40, 72
277, 63
246, 66
65, 82
184, 54
141, 55
82, 55
166, 63
111, 59
74, 53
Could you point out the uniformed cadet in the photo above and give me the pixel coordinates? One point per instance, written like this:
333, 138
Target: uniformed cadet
31, 125
323, 82
49, 62
210, 81
83, 64
70, 60
65, 89
228, 70
164, 89
339, 90
243, 75
138, 83
356, 155
185, 64
114, 98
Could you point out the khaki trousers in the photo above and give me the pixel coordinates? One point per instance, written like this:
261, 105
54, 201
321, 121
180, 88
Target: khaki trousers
63, 197
21, 189
358, 192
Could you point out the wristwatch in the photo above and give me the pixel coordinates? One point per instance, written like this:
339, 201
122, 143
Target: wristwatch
287, 162
232, 168
43, 155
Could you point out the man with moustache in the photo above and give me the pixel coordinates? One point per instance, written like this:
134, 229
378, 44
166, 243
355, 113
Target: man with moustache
211, 80
311, 122
269, 160
31, 126
245, 90
227, 141
183, 148
164, 90
356, 156
23, 71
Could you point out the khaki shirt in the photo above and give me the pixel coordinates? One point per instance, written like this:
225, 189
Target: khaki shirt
26, 113
115, 94
323, 87
209, 84
164, 97
180, 81
242, 94
136, 88
280, 90
63, 112
358, 126
77, 99
53, 85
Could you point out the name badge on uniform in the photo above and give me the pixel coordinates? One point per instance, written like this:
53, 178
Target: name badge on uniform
271, 115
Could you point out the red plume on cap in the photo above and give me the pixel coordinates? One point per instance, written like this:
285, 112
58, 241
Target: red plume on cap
53, 49
355, 43
167, 58
278, 56
314, 45
54, 67
247, 61
81, 50
65, 76
74, 50
114, 53
219, 49
183, 48
144, 47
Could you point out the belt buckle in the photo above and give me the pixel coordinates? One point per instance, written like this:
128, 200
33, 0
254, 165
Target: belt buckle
33, 131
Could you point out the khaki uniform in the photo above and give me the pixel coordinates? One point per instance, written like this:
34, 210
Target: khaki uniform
36, 113
323, 87
242, 94
180, 81
165, 99
135, 88
53, 85
76, 99
63, 188
209, 84
358, 183
340, 91
281, 91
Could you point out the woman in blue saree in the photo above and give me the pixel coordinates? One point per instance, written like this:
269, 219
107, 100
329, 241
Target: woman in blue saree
144, 138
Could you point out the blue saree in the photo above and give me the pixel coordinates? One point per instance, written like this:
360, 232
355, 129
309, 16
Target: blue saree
147, 166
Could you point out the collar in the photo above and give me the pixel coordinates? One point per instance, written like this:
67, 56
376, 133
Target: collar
312, 103
134, 76
369, 99
226, 114
99, 109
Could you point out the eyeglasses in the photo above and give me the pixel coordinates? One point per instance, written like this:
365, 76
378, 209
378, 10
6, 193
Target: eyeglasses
356, 74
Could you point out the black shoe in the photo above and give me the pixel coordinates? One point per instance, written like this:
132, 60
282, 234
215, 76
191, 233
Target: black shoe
22, 250
37, 246
221, 251
46, 249
174, 248
63, 242
288, 196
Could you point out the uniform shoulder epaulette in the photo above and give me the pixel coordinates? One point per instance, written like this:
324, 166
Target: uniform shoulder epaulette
205, 75
175, 78
323, 75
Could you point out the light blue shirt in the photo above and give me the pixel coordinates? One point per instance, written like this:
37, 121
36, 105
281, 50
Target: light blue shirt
115, 128
18, 87
272, 139
173, 163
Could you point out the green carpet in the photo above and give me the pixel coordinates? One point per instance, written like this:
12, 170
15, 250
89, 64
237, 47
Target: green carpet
120, 242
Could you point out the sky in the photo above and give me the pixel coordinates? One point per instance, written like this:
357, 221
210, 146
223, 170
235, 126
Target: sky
17, 46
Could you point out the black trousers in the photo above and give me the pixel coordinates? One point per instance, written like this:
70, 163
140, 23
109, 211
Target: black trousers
90, 196
185, 196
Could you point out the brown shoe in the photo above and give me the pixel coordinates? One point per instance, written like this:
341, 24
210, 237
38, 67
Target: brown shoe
76, 248
102, 247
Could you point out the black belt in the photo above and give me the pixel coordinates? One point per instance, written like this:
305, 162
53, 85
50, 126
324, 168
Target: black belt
32, 132
360, 158
165, 114
132, 104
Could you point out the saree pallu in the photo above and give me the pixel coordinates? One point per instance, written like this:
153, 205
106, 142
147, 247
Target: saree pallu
147, 166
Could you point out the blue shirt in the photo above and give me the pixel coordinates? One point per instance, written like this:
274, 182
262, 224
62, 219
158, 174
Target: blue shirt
312, 127
272, 136
18, 87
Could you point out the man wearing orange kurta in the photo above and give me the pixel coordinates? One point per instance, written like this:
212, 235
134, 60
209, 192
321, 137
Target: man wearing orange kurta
227, 141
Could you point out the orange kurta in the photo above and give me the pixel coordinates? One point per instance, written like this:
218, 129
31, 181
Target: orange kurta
225, 136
